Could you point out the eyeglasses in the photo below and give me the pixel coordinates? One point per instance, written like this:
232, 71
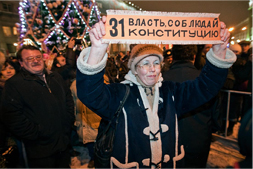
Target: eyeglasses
31, 59
147, 66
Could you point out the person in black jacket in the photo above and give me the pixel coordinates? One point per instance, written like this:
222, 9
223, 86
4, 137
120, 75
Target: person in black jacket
200, 59
196, 126
66, 65
245, 47
9, 69
37, 107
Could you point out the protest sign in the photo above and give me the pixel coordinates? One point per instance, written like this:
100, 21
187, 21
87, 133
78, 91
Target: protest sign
147, 27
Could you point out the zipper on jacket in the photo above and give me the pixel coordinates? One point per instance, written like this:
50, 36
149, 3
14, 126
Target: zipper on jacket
46, 83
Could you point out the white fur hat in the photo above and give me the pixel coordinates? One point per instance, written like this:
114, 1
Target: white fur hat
141, 51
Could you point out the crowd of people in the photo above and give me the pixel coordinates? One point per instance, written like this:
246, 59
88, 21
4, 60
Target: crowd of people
174, 105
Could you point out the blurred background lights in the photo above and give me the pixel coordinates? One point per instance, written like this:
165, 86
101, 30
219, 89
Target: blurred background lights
231, 29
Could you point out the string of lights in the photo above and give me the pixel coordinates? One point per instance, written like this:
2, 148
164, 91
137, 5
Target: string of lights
54, 22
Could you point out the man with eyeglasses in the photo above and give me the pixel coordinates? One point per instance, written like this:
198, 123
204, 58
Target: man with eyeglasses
37, 107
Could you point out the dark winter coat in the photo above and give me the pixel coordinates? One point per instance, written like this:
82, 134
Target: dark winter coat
196, 126
242, 70
133, 138
200, 60
68, 71
181, 71
2, 129
39, 114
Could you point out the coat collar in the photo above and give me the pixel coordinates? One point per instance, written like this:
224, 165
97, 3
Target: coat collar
131, 79
183, 63
29, 76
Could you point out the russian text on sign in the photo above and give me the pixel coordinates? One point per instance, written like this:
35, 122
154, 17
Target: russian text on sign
162, 27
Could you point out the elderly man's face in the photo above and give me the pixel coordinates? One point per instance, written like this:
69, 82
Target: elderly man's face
32, 61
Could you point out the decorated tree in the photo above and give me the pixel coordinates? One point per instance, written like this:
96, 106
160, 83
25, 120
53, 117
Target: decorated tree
49, 24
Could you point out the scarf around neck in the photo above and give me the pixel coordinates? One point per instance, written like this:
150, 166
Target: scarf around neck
149, 90
151, 105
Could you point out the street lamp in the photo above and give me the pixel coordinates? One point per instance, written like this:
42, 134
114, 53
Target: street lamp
244, 28
231, 29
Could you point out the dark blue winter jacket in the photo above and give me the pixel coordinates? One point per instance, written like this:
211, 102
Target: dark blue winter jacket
133, 139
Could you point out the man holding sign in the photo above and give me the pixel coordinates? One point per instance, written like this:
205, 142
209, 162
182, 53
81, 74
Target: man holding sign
147, 132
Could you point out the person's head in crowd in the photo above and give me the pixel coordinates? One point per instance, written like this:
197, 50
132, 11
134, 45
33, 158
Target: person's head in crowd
13, 58
30, 58
9, 69
184, 52
236, 48
59, 61
145, 63
126, 57
119, 57
245, 46
206, 48
2, 59
167, 55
